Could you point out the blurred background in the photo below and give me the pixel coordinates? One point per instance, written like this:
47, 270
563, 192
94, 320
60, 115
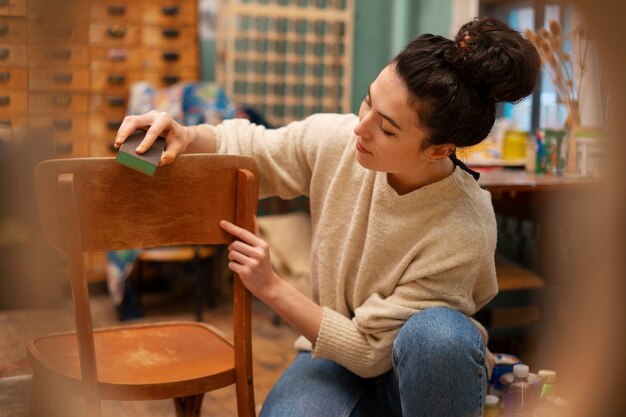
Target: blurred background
70, 71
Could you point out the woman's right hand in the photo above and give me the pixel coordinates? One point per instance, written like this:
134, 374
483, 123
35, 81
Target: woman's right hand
156, 124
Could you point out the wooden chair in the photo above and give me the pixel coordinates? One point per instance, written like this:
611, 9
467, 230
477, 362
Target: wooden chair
96, 204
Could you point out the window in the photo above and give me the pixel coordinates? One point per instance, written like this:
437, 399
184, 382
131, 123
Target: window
542, 109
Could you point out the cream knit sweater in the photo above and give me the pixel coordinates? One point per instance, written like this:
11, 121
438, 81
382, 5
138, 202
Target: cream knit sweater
377, 257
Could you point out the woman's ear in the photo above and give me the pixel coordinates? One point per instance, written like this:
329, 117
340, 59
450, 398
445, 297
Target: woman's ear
438, 152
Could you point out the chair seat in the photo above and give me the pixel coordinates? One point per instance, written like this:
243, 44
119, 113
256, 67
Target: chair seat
176, 254
139, 362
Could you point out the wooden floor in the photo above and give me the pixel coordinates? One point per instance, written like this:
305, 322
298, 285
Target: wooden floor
272, 351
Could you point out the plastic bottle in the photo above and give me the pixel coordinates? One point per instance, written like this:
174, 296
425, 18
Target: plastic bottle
518, 401
492, 406
549, 379
547, 399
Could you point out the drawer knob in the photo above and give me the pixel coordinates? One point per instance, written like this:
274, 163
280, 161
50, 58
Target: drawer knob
61, 101
5, 77
117, 55
64, 148
60, 54
117, 80
171, 56
171, 33
62, 78
62, 124
170, 10
4, 29
116, 32
170, 79
116, 101
114, 124
116, 10
4, 53
5, 100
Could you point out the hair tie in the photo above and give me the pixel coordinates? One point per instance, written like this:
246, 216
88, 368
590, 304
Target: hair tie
463, 44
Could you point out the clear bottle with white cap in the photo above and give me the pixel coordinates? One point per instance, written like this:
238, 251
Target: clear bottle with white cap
518, 401
547, 404
492, 406
548, 377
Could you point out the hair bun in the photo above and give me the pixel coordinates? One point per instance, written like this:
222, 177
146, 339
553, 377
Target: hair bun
497, 59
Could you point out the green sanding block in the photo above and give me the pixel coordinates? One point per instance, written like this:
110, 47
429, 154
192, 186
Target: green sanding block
146, 162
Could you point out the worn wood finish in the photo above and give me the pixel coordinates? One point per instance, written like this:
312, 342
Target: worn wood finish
96, 204
243, 307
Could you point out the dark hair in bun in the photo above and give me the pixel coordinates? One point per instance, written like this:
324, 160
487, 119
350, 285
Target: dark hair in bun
456, 84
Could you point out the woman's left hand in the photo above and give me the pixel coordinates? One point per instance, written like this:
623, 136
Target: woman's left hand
249, 257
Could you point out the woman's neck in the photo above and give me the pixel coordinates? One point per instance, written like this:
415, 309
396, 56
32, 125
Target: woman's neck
423, 175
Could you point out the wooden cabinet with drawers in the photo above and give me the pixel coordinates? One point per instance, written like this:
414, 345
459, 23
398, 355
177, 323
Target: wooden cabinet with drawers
76, 60
136, 40
66, 67
13, 69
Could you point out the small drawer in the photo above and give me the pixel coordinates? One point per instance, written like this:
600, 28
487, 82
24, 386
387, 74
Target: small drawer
13, 103
59, 55
60, 79
13, 7
13, 55
13, 78
102, 148
62, 125
114, 35
114, 82
167, 78
105, 127
57, 33
70, 146
170, 36
161, 58
13, 30
170, 12
117, 11
16, 123
59, 12
106, 104
116, 58
49, 103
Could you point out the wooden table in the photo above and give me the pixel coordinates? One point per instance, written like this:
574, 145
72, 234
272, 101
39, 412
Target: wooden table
516, 180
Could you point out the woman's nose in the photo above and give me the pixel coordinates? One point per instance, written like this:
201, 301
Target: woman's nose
361, 129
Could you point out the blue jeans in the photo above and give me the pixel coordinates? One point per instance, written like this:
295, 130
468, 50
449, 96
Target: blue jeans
438, 369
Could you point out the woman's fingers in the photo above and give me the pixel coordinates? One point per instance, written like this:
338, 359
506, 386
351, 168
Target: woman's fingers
161, 123
239, 257
132, 123
243, 248
156, 124
241, 233
172, 150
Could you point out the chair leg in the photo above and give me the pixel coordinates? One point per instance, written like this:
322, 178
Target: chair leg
188, 406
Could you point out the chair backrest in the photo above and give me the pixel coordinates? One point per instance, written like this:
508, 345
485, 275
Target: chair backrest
95, 204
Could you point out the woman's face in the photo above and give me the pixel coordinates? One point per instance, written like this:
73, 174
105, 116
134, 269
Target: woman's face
388, 136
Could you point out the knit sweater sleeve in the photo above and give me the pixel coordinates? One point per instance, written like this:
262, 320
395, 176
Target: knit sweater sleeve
286, 156
364, 342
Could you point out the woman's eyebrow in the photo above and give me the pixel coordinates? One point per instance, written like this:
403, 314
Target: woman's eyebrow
383, 115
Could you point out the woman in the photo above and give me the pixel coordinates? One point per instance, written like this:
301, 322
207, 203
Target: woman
404, 238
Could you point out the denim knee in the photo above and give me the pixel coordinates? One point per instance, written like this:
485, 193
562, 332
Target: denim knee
436, 335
